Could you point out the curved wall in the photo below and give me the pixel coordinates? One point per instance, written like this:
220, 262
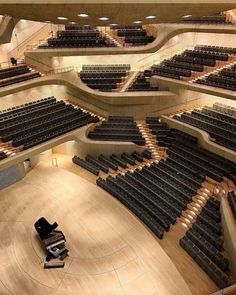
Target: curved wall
172, 38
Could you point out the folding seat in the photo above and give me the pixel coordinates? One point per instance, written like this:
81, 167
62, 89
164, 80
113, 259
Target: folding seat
96, 163
108, 162
117, 160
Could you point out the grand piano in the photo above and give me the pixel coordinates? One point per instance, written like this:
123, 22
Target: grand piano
53, 241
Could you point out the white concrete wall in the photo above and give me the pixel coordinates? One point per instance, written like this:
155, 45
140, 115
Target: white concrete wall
23, 30
142, 61
32, 94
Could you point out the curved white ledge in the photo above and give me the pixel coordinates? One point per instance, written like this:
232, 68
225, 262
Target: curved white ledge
164, 33
83, 146
71, 79
203, 138
176, 85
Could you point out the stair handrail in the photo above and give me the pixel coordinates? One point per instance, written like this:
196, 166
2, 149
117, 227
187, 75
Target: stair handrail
231, 290
24, 43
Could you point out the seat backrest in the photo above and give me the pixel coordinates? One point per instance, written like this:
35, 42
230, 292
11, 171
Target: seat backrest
44, 228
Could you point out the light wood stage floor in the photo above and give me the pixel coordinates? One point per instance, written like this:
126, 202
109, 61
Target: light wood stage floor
111, 251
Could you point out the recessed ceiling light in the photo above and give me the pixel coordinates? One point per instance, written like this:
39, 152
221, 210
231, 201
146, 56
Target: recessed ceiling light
104, 18
137, 22
62, 18
151, 17
113, 24
83, 14
86, 25
72, 23
187, 15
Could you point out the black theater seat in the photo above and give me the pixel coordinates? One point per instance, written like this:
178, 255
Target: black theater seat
34, 123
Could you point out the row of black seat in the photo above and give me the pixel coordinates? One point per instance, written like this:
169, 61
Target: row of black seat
184, 64
26, 106
23, 74
78, 34
159, 190
107, 67
221, 49
208, 19
77, 43
78, 37
232, 202
116, 128
225, 109
225, 79
37, 122
104, 78
103, 163
183, 150
139, 40
141, 83
75, 27
220, 279
2, 155
204, 244
133, 35
14, 71
223, 132
87, 165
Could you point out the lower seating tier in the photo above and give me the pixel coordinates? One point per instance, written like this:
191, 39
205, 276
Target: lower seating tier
31, 124
117, 128
221, 127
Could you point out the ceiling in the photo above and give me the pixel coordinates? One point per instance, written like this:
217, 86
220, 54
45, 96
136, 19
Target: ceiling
119, 11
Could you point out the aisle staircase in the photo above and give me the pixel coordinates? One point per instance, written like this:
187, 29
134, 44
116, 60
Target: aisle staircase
158, 152
109, 37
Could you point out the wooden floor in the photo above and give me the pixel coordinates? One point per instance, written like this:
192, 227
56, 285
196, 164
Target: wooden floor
111, 251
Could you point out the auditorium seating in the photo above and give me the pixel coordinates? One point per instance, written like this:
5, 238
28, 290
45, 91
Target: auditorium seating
78, 37
208, 19
141, 83
16, 74
33, 123
85, 164
104, 78
220, 126
232, 202
114, 161
2, 155
156, 194
183, 150
132, 35
117, 128
159, 192
185, 65
226, 79
204, 244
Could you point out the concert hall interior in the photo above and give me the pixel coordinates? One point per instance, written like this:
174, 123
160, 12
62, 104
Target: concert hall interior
118, 147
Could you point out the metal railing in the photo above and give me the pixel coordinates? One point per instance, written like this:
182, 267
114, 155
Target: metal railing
25, 45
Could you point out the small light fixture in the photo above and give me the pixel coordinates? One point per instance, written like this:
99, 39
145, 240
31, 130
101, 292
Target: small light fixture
62, 18
112, 25
137, 22
83, 15
103, 18
72, 23
187, 16
150, 17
